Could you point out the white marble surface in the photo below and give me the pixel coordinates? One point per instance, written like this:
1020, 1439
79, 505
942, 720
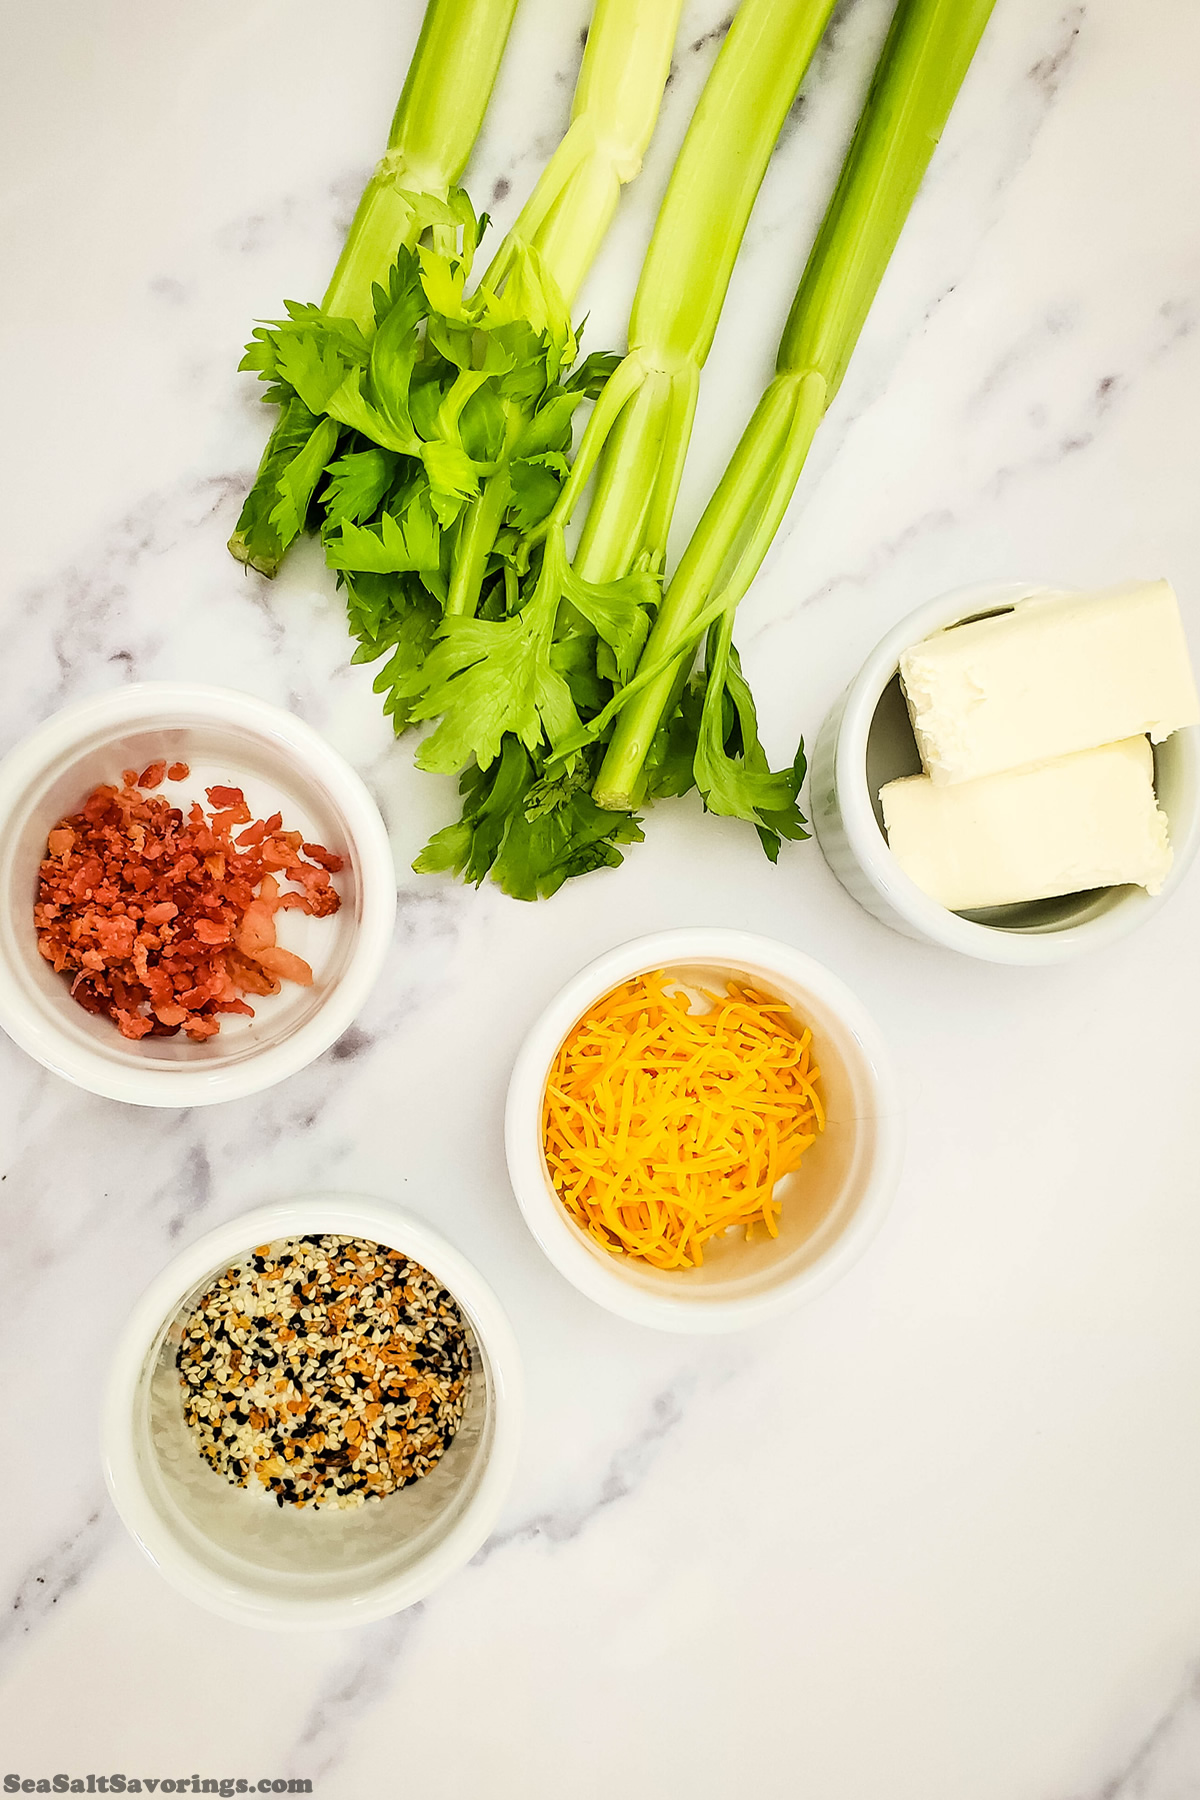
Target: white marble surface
936, 1537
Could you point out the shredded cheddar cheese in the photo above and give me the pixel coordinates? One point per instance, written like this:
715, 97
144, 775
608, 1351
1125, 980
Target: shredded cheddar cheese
664, 1126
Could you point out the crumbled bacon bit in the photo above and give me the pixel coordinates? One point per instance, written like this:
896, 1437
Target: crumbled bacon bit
318, 854
162, 922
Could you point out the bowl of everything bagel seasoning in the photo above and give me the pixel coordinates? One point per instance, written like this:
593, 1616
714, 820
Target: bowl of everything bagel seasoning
328, 1369
313, 1413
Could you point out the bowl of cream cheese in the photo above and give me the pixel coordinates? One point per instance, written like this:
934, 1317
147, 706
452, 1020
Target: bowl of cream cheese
1023, 792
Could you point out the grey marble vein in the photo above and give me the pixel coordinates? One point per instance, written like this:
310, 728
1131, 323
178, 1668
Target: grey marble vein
358, 1680
1165, 1764
54, 1576
627, 1469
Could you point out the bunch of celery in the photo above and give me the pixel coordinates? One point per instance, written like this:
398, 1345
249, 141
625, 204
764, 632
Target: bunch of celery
436, 122
925, 59
510, 691
429, 432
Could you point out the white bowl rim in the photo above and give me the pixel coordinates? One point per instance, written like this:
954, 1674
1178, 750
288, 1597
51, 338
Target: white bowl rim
203, 1085
355, 1215
543, 1213
989, 943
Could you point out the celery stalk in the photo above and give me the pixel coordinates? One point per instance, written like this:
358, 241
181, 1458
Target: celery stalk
626, 61
683, 283
925, 59
436, 122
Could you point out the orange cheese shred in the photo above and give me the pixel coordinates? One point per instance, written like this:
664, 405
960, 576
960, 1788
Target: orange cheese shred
664, 1126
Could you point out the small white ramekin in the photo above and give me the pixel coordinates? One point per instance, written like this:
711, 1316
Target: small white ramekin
834, 1203
866, 741
280, 761
234, 1550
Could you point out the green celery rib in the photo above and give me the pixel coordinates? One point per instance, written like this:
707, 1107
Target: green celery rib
685, 277
434, 128
626, 61
924, 62
624, 72
436, 122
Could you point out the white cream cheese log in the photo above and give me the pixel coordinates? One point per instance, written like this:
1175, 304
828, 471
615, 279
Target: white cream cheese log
1085, 821
1059, 673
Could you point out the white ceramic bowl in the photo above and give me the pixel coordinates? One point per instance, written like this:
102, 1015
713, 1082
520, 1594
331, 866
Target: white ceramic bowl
833, 1204
283, 765
867, 741
236, 1551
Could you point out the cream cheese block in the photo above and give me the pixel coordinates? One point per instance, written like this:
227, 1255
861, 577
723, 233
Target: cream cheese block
1059, 673
1085, 821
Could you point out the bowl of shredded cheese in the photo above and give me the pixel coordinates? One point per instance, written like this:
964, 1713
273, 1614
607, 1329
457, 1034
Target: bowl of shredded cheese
702, 1129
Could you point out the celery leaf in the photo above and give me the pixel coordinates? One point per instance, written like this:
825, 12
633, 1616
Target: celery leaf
529, 834
731, 768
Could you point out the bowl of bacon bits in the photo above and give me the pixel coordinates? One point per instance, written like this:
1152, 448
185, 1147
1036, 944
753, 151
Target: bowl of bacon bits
703, 1129
198, 894
313, 1414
